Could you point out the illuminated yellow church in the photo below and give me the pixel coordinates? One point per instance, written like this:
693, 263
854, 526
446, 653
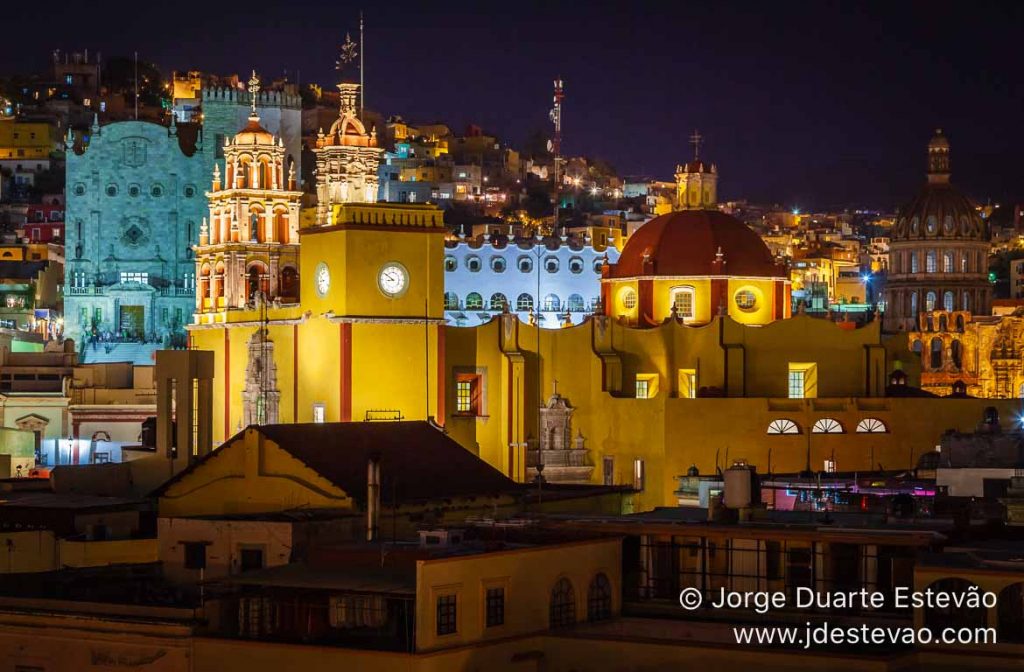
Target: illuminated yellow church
702, 367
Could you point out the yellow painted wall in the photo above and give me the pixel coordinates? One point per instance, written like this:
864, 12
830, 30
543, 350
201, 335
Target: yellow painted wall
527, 576
250, 474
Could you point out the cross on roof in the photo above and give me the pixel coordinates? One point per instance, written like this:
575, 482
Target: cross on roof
348, 53
254, 88
696, 139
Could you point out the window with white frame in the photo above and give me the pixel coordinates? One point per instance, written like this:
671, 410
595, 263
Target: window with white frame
133, 276
682, 301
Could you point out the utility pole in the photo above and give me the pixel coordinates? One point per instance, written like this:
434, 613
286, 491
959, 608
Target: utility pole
555, 144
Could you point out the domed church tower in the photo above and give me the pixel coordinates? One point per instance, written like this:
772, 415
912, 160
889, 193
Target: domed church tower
938, 255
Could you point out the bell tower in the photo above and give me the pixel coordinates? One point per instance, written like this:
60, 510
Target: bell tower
696, 181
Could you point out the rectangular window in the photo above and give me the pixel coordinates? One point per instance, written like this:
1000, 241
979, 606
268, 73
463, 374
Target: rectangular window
495, 599
688, 383
447, 621
195, 554
319, 411
646, 385
803, 380
467, 394
609, 470
250, 558
682, 301
132, 276
639, 476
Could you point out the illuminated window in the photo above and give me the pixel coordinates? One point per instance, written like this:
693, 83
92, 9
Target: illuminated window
871, 426
829, 466
451, 301
646, 385
524, 303
783, 426
319, 411
682, 301
688, 383
142, 278
628, 298
447, 615
467, 394
803, 381
474, 301
639, 475
827, 426
576, 304
929, 262
929, 301
947, 300
746, 299
552, 302
913, 262
450, 264
947, 262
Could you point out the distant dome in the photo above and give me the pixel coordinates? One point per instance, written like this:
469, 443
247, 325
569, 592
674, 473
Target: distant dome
686, 243
939, 210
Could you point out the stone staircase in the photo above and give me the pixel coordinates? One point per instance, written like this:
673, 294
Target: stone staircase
143, 354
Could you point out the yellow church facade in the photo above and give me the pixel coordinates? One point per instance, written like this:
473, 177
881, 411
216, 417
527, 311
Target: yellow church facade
705, 365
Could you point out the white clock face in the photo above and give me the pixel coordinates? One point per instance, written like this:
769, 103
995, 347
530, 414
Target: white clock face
393, 279
322, 279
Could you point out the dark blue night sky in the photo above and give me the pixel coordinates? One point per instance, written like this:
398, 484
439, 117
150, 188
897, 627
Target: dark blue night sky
810, 104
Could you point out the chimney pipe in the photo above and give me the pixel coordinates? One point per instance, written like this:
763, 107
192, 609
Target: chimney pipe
372, 498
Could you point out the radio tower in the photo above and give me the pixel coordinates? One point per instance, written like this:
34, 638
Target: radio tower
555, 144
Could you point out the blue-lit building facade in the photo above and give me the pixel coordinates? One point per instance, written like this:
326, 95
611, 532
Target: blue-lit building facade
560, 275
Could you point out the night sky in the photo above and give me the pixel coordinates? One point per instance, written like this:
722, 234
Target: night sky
808, 104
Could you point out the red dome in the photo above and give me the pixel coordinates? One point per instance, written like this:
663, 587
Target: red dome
687, 242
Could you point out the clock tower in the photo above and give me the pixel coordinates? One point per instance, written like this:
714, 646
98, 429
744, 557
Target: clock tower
365, 338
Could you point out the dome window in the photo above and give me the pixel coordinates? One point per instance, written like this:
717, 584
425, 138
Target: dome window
79, 189
450, 264
628, 298
915, 224
111, 190
551, 265
575, 265
525, 264
746, 300
682, 302
932, 224
190, 191
473, 264
598, 263
133, 190
156, 191
498, 264
948, 225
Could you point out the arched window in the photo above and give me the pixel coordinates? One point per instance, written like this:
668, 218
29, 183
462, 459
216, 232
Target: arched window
628, 297
257, 281
913, 304
929, 261
474, 301
947, 301
947, 262
599, 598
960, 323
936, 353
562, 611
498, 301
827, 426
1011, 613
682, 301
917, 347
936, 618
956, 353
913, 262
871, 426
257, 225
289, 284
524, 303
966, 303
451, 301
929, 302
552, 302
281, 233
576, 304
783, 426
